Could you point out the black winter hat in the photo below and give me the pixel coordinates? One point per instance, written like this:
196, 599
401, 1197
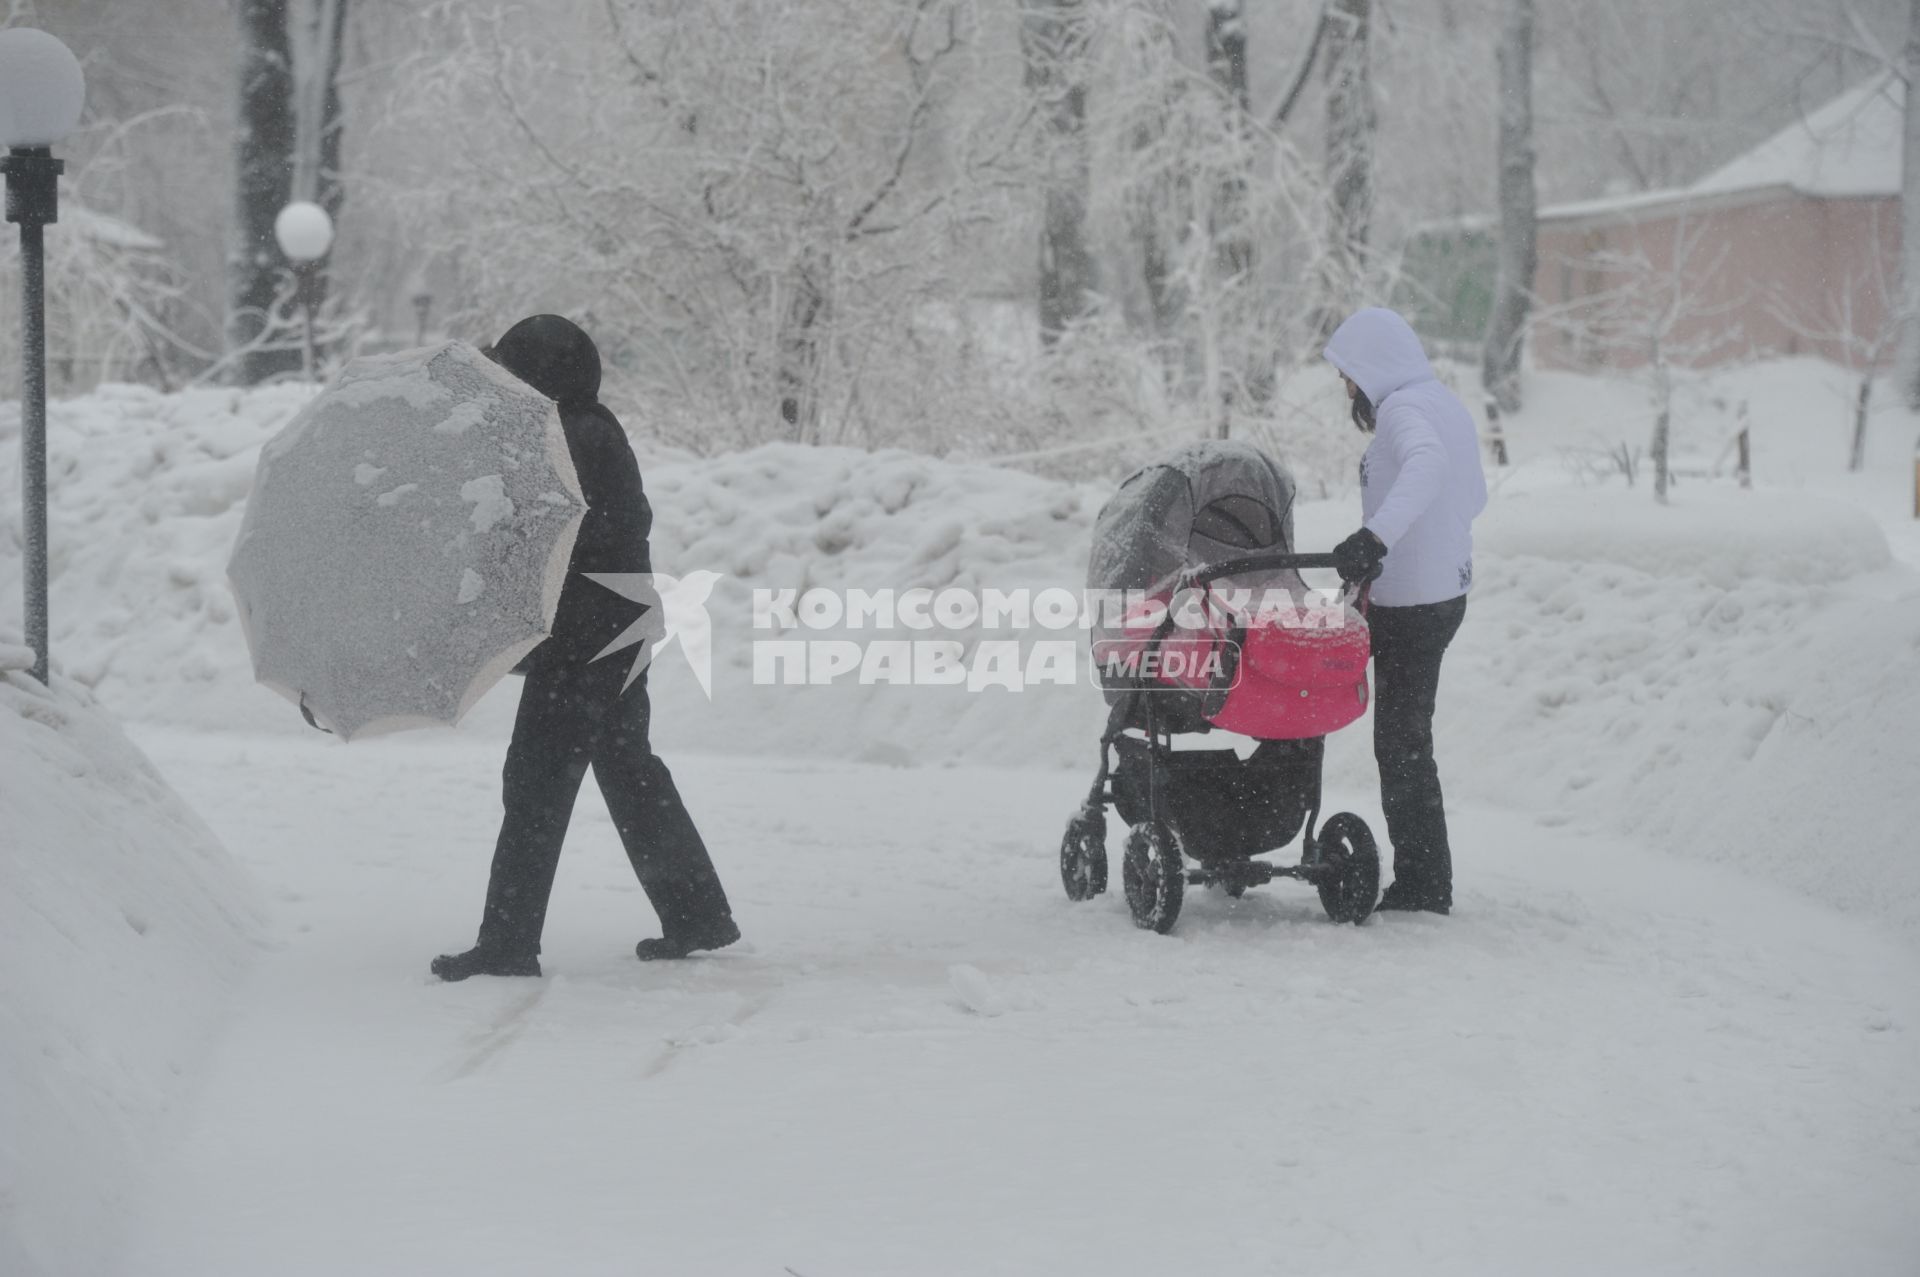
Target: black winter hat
553, 355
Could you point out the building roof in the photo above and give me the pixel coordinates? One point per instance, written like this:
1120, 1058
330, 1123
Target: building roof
1848, 149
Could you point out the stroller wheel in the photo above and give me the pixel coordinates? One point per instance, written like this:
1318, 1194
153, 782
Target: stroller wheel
1351, 886
1083, 856
1154, 875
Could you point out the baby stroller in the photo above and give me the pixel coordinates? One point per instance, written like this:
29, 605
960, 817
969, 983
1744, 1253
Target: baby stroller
1204, 622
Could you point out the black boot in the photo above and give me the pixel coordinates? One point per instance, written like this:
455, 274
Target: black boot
481, 960
679, 943
1398, 897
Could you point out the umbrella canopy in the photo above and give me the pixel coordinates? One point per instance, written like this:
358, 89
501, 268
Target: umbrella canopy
406, 540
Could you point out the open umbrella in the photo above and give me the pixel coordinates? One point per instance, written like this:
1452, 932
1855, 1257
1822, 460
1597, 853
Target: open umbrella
406, 540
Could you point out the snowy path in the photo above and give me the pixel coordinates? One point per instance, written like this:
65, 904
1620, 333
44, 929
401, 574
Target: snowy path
1605, 1062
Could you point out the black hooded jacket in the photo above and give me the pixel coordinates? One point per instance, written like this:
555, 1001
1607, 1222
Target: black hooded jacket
555, 357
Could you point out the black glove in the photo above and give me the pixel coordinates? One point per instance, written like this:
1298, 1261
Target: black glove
1357, 558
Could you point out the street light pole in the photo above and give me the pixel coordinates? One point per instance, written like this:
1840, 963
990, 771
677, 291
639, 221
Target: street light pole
42, 91
422, 307
36, 173
305, 233
305, 270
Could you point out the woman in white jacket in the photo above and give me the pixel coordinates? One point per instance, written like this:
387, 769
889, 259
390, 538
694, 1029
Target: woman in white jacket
1420, 487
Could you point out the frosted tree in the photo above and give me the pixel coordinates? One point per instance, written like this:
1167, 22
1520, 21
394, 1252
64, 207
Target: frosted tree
287, 148
1652, 94
1054, 39
1910, 214
113, 303
1517, 250
783, 241
1861, 323
1155, 198
1225, 222
1668, 306
1227, 68
264, 184
1350, 125
1884, 35
1234, 246
1303, 71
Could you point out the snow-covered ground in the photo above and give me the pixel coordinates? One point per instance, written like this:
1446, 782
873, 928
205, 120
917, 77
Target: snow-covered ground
1675, 1009
928, 1061
124, 931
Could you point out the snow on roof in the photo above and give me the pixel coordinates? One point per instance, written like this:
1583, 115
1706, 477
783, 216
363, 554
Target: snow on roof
1849, 148
1460, 224
1615, 205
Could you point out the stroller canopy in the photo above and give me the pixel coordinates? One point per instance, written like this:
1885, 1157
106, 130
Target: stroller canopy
1204, 503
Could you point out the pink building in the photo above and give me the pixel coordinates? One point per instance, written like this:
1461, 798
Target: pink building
1793, 248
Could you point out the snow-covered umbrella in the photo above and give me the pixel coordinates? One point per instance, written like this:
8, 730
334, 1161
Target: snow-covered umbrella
406, 540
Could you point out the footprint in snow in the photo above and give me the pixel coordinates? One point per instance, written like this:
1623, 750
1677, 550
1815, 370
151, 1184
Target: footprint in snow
975, 991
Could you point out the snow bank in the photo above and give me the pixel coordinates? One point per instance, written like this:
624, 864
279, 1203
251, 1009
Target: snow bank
147, 492
1729, 677
122, 932
1719, 535
785, 518
1725, 683
145, 496
1799, 414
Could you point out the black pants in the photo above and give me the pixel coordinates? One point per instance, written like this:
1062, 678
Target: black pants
571, 719
1408, 643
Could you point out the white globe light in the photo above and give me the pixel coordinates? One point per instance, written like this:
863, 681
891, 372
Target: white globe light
305, 232
42, 88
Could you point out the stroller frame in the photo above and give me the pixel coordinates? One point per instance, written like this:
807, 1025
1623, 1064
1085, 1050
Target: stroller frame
1212, 806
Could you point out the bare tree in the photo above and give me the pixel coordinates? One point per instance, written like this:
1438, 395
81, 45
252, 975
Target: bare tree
1518, 256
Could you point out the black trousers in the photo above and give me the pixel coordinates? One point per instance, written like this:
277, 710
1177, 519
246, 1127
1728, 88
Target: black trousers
571, 719
1408, 643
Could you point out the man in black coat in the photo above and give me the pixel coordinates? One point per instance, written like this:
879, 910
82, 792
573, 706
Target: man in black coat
573, 713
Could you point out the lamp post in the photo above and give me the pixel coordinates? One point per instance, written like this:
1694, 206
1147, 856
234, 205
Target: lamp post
42, 91
305, 233
422, 307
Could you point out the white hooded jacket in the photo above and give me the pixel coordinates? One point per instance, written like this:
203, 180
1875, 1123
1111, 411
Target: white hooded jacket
1420, 481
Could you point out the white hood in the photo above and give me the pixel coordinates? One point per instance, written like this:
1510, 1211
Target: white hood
1379, 352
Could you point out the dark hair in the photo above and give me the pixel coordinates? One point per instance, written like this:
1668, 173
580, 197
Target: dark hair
1362, 411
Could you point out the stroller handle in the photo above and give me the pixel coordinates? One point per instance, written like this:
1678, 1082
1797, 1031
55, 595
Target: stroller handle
1258, 563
